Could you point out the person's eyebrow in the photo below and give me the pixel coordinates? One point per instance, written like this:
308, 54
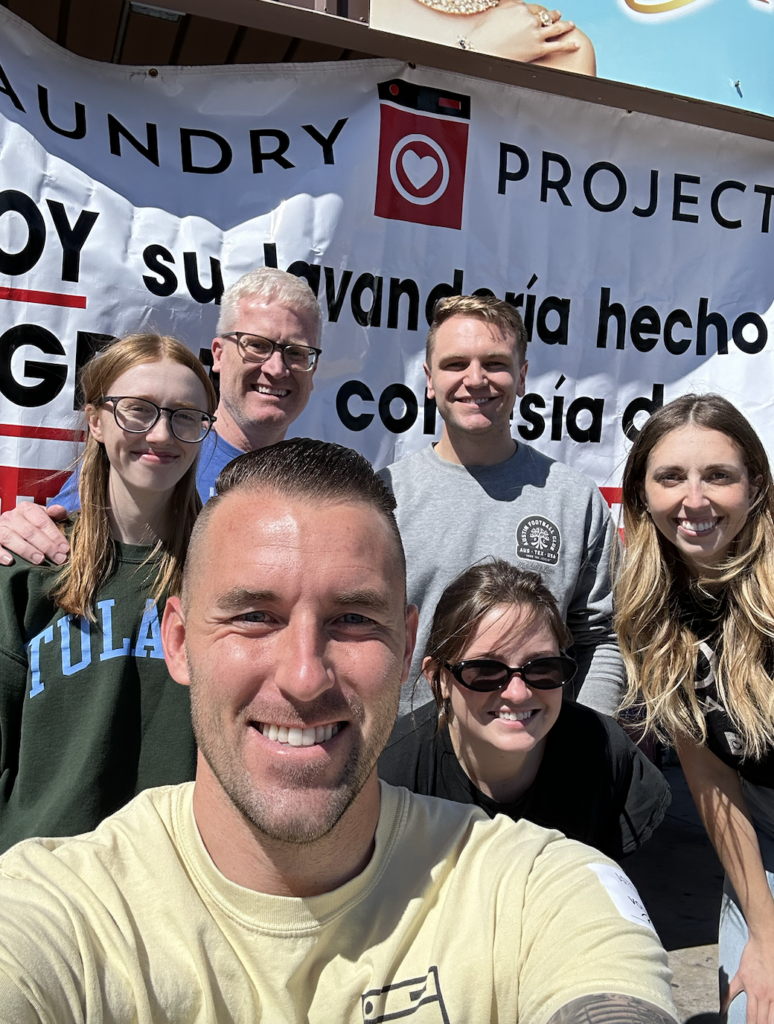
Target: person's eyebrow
242, 597
370, 599
451, 356
495, 655
676, 467
180, 404
249, 334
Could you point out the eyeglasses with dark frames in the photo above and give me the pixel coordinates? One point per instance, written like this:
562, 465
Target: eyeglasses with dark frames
255, 349
485, 675
139, 415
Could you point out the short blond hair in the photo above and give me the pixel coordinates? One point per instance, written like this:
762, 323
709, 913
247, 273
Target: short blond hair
266, 285
479, 307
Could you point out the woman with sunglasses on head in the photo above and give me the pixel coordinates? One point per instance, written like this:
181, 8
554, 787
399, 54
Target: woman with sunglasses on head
88, 713
498, 733
695, 621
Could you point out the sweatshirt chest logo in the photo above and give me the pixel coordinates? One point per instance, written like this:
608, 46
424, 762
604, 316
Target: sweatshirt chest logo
538, 540
74, 643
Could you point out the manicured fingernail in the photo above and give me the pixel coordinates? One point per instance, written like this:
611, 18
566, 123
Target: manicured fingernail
6, 559
60, 557
37, 558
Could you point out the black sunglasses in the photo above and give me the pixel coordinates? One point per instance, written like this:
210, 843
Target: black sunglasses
485, 675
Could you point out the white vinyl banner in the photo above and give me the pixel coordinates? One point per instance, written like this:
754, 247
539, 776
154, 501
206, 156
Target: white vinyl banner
639, 250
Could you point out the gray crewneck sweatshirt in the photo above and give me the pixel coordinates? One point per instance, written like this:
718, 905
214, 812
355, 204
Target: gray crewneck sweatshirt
530, 510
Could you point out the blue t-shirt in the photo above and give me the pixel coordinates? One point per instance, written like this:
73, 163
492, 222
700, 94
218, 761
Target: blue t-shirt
215, 454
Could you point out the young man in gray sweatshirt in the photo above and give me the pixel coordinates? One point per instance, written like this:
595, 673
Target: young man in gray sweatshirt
478, 493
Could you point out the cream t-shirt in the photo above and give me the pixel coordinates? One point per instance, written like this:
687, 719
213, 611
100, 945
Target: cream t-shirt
456, 918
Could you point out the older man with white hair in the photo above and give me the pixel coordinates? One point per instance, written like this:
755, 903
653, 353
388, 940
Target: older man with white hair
266, 353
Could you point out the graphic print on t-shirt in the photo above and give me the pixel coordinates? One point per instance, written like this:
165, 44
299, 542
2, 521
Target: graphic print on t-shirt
706, 679
706, 671
538, 540
420, 996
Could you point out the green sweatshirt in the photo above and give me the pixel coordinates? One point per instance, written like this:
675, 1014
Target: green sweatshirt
89, 715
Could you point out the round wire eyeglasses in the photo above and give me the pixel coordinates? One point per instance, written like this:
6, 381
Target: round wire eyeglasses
139, 415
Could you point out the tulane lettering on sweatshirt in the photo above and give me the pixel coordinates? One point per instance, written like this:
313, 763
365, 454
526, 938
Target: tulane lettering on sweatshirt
89, 715
73, 636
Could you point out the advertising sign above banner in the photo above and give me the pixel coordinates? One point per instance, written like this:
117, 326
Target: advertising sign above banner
716, 50
639, 251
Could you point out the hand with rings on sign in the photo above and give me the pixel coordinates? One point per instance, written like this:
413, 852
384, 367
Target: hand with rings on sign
504, 28
533, 34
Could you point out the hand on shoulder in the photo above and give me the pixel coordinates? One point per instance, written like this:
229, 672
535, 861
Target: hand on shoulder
30, 531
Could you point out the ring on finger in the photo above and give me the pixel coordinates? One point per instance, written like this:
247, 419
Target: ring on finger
544, 18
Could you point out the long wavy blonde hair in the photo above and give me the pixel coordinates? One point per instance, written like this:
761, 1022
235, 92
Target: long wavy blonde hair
659, 650
92, 553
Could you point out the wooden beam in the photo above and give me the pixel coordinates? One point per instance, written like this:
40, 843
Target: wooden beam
64, 17
182, 32
291, 50
236, 42
118, 47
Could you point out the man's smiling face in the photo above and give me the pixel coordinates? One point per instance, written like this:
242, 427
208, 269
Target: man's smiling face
474, 375
267, 396
296, 644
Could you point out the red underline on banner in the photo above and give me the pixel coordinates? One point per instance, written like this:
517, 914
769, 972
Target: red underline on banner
44, 298
41, 433
38, 484
612, 495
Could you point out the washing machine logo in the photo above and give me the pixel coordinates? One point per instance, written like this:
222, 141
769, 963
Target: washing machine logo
423, 147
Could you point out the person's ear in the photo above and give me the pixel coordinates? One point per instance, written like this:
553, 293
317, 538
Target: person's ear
173, 640
430, 391
217, 354
317, 363
754, 487
93, 423
428, 671
412, 624
521, 386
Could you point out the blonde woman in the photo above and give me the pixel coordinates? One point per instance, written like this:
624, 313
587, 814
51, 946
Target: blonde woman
504, 28
88, 713
695, 622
